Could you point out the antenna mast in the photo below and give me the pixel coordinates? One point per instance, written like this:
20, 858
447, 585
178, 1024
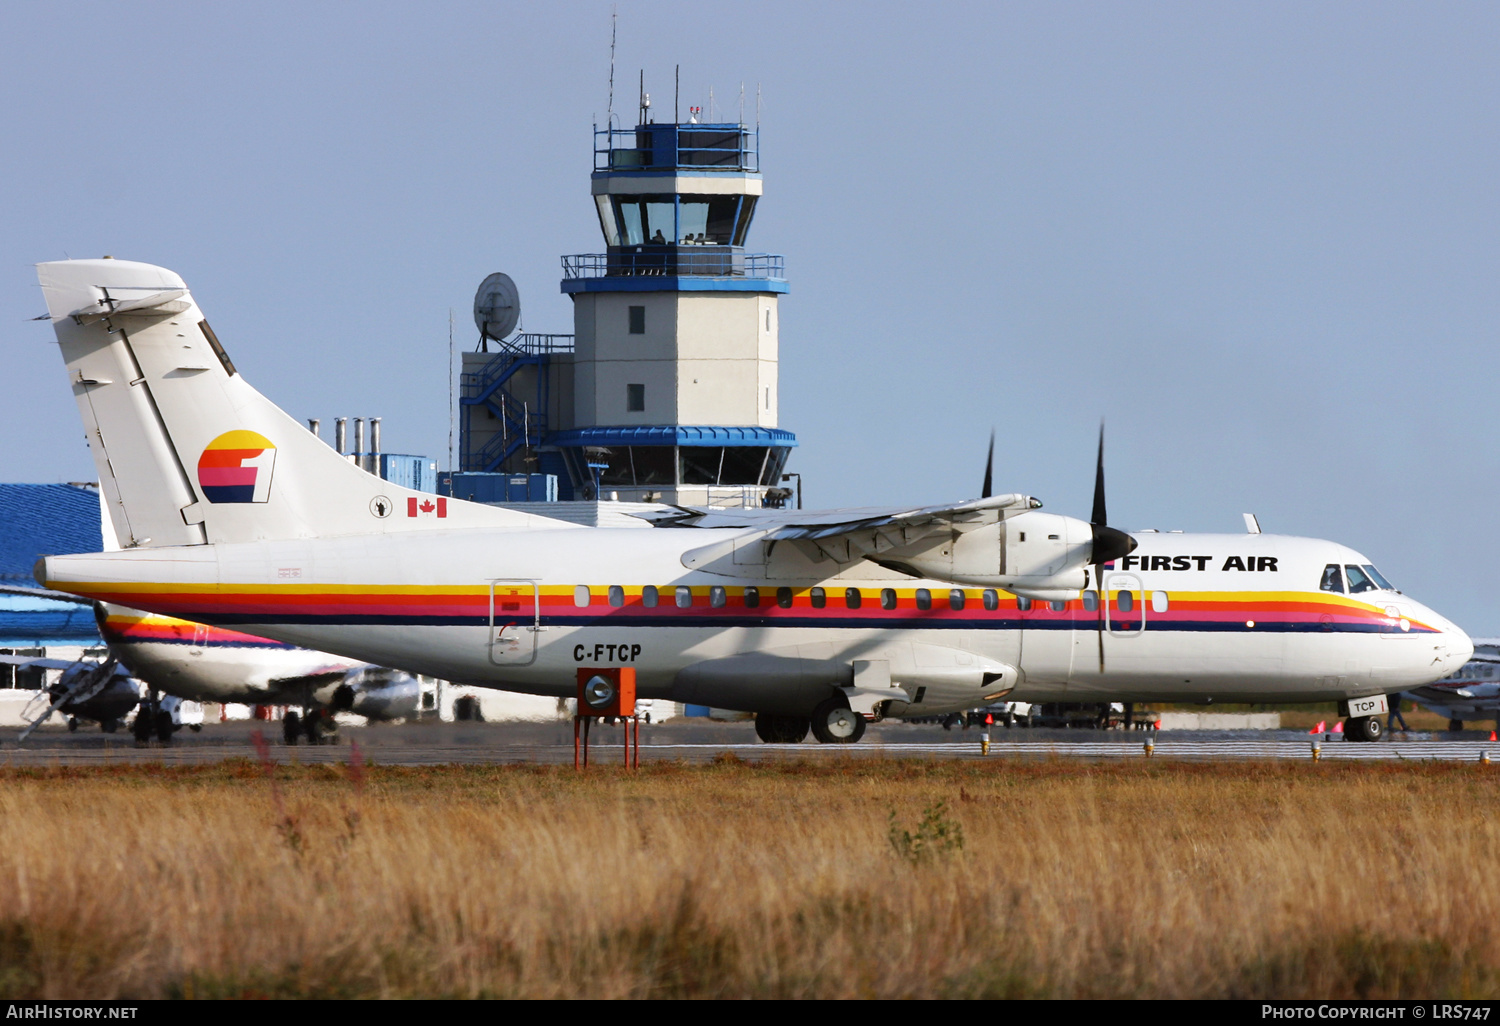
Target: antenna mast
614, 17
676, 95
450, 388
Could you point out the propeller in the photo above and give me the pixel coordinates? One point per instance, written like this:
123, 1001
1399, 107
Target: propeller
1109, 544
989, 469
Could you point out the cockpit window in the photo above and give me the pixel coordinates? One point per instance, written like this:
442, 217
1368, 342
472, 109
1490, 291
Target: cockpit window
1333, 579
1377, 578
1358, 580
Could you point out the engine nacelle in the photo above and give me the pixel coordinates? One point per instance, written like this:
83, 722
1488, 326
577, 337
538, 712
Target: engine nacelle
1030, 553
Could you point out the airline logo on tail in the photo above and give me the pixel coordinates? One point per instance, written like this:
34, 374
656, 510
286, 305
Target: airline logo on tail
236, 467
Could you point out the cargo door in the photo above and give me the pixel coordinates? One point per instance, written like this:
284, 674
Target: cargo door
515, 621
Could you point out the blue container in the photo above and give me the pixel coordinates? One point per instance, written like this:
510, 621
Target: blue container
415, 472
482, 487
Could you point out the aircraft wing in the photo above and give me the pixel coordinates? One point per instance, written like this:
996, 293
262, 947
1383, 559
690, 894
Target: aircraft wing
35, 662
44, 593
848, 534
317, 678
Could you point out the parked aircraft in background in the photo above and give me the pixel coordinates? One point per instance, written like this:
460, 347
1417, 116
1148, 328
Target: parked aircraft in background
234, 515
212, 664
85, 689
1473, 693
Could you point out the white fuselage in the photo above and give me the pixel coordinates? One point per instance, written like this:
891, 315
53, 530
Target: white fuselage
1187, 617
211, 664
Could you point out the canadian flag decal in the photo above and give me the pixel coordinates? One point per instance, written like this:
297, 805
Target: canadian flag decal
426, 507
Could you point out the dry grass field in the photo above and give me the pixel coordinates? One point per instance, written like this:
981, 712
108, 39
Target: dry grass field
857, 878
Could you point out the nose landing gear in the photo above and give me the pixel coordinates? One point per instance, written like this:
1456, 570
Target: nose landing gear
1363, 728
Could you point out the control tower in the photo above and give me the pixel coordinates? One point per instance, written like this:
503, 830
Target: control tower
669, 393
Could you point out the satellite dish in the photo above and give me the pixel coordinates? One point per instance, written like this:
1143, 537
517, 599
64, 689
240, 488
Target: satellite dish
497, 306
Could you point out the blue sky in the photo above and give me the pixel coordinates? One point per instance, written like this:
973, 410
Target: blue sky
1260, 240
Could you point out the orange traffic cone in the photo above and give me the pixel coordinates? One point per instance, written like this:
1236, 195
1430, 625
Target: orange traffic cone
1493, 737
1338, 728
1320, 728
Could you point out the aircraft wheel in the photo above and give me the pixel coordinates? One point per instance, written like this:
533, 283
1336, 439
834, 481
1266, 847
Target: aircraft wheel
783, 730
142, 728
109, 726
164, 727
834, 723
291, 727
72, 724
1455, 725
196, 728
1364, 728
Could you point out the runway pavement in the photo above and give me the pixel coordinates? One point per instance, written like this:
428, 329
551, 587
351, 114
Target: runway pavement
433, 743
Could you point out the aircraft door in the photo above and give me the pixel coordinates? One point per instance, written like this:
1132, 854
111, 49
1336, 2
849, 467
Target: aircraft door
1125, 605
515, 621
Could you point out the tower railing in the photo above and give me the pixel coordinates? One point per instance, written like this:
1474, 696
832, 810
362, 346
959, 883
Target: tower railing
690, 147
675, 261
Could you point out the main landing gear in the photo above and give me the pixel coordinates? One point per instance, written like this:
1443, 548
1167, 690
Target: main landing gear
780, 730
151, 720
314, 723
834, 723
1363, 728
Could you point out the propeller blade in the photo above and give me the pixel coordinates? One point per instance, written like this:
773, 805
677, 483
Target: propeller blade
989, 468
1103, 598
1099, 516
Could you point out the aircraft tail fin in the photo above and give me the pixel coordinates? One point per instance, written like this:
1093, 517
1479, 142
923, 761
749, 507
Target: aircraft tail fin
187, 451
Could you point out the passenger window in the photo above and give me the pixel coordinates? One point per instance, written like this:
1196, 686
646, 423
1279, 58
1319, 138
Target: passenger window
717, 596
956, 598
784, 598
1058, 605
1124, 601
1333, 579
852, 598
1023, 603
887, 598
924, 598
1091, 601
752, 598
991, 599
616, 595
1378, 579
684, 596
581, 595
648, 596
1358, 580
819, 598
1158, 602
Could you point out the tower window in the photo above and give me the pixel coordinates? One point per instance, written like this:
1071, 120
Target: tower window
637, 320
635, 398
768, 320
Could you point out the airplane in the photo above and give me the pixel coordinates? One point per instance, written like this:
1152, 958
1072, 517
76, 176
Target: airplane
214, 664
86, 689
1472, 693
233, 515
